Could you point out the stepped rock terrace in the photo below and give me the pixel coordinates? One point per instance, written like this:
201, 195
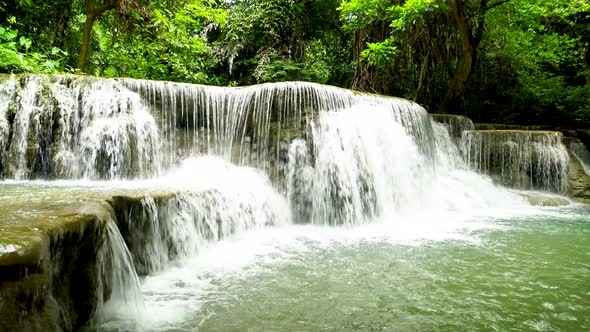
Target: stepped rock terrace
136, 205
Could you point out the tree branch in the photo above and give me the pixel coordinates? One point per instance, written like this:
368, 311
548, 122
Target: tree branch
107, 5
478, 34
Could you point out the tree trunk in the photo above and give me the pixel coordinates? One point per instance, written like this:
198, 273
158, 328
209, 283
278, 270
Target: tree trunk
470, 34
453, 103
91, 14
61, 29
85, 41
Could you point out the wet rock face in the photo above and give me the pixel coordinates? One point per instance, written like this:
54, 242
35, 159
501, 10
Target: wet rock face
49, 282
457, 124
579, 181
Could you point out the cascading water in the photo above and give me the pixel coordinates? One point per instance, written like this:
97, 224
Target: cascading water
362, 164
24, 120
66, 128
214, 200
117, 277
102, 137
73, 127
520, 159
456, 124
191, 165
248, 125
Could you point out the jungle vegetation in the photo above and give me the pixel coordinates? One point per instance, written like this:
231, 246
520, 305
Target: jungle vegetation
511, 61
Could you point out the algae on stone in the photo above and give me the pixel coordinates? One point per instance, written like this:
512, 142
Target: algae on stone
54, 257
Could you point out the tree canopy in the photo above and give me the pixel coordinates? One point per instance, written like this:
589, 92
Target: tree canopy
514, 61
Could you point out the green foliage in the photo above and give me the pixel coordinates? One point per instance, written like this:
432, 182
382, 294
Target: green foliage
540, 49
15, 55
380, 54
359, 13
169, 45
277, 40
531, 66
273, 68
533, 63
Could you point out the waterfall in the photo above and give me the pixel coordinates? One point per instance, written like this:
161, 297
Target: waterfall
75, 127
248, 125
214, 200
117, 276
189, 165
360, 164
108, 138
89, 128
580, 151
456, 124
22, 125
520, 159
448, 148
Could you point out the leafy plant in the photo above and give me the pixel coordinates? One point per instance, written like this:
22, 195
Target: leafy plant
15, 55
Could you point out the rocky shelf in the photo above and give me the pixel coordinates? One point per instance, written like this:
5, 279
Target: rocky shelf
54, 256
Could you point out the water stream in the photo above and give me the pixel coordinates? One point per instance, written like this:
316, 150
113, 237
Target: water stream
297, 206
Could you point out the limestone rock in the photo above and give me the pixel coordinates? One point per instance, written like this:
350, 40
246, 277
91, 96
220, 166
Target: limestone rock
579, 181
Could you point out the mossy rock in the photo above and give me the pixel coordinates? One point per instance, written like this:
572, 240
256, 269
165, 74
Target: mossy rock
48, 273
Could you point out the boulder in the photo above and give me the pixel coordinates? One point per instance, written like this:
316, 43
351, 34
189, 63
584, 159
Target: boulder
579, 181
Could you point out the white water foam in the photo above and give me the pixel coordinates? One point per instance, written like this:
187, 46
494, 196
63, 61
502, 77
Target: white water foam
105, 132
363, 164
376, 165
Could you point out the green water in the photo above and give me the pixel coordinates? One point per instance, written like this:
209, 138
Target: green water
515, 271
528, 273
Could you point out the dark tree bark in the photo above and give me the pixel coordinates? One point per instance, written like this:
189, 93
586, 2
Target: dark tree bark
470, 34
470, 23
92, 13
63, 20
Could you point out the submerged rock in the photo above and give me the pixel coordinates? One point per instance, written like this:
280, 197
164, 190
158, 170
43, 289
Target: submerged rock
540, 199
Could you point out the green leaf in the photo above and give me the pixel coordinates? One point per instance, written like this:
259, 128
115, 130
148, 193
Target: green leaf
26, 42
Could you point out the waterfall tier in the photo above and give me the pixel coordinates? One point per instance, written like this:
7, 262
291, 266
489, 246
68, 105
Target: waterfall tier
519, 159
209, 200
74, 127
360, 164
580, 152
60, 263
456, 124
188, 165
